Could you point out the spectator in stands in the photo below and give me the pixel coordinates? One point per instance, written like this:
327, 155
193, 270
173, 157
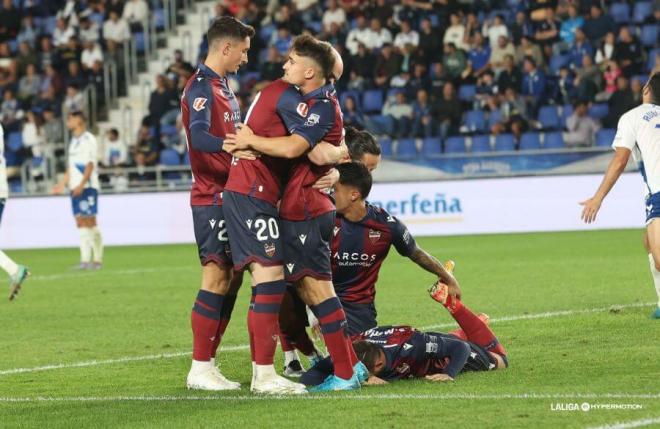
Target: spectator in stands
418, 80
579, 49
619, 102
510, 76
28, 86
49, 99
10, 21
53, 129
51, 79
478, 57
565, 89
581, 129
89, 30
422, 119
136, 12
352, 115
598, 24
28, 32
10, 112
407, 36
48, 56
521, 28
381, 10
333, 15
455, 33
430, 45
588, 79
503, 49
336, 36
529, 49
95, 78
281, 39
378, 35
547, 32
628, 53
271, 69
514, 113
569, 26
306, 9
164, 104
486, 89
495, 29
90, 54
115, 31
359, 34
388, 65
115, 151
63, 32
74, 75
26, 56
145, 152
472, 27
400, 111
454, 63
636, 88
438, 80
180, 70
362, 68
74, 100
533, 84
606, 50
70, 52
448, 111
32, 134
610, 77
285, 17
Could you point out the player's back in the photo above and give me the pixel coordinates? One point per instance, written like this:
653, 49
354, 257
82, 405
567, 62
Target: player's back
268, 116
208, 100
639, 130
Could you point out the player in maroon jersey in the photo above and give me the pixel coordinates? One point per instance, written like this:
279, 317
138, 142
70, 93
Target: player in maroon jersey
210, 111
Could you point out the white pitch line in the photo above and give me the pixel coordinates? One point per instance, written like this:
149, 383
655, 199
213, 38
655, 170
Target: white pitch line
448, 396
83, 364
81, 274
631, 424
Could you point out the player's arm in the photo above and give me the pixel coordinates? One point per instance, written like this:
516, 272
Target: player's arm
61, 185
200, 107
457, 351
328, 154
288, 147
89, 167
429, 263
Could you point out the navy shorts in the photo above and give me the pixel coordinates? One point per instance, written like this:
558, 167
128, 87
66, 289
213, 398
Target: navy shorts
360, 317
211, 235
85, 205
307, 247
652, 207
254, 230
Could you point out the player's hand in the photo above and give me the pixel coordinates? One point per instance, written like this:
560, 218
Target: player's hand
374, 381
344, 148
590, 210
439, 377
246, 154
77, 191
58, 189
327, 181
454, 288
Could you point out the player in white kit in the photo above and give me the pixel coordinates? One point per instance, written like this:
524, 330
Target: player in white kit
17, 273
82, 179
638, 133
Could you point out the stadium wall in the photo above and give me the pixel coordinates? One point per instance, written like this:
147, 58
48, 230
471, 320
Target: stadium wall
524, 204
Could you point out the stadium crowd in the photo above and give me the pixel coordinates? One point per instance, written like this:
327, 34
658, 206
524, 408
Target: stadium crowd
509, 74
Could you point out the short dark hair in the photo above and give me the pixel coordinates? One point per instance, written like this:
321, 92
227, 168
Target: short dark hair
367, 353
357, 175
654, 86
360, 142
320, 53
78, 114
228, 27
114, 132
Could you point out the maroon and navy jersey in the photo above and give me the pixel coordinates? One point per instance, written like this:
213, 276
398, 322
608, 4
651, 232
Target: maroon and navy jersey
359, 249
411, 353
323, 121
208, 100
276, 111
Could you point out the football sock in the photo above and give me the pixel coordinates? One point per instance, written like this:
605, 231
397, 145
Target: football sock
249, 327
205, 318
475, 329
263, 318
7, 264
285, 343
333, 327
85, 244
97, 244
225, 315
656, 277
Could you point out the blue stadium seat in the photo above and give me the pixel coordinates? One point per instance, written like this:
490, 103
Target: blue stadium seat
566, 111
605, 137
651, 60
620, 12
494, 117
599, 111
372, 101
99, 19
649, 36
315, 26
159, 19
549, 117
530, 141
406, 148
557, 62
186, 158
140, 42
169, 157
168, 130
49, 25
455, 145
467, 92
481, 144
15, 141
553, 141
432, 146
266, 32
641, 11
356, 97
505, 143
13, 46
475, 120
386, 147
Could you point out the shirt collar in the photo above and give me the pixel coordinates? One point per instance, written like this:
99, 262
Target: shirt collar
206, 71
323, 92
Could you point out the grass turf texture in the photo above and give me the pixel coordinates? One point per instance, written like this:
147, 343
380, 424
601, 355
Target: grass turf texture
139, 305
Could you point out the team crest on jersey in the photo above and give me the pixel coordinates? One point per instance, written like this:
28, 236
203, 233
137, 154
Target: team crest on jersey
302, 109
269, 248
199, 103
374, 235
312, 120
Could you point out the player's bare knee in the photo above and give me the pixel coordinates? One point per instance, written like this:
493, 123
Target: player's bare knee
263, 274
216, 278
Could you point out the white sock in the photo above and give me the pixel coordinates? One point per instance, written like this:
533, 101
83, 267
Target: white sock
264, 371
200, 365
290, 356
97, 244
85, 245
7, 264
656, 277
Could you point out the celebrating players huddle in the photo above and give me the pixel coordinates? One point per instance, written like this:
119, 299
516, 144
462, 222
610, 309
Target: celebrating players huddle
259, 205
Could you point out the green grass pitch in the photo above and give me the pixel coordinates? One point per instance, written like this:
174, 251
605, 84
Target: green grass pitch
572, 309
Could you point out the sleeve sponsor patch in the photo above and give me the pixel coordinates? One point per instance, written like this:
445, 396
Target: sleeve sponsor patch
312, 120
199, 103
302, 109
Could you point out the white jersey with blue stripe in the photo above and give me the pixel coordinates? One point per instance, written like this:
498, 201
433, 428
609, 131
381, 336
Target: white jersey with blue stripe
639, 131
4, 191
82, 151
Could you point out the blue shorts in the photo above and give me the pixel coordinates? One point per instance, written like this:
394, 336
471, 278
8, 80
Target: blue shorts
652, 207
360, 317
307, 247
86, 204
254, 230
2, 207
211, 235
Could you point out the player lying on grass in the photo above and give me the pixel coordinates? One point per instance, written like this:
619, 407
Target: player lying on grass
398, 352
